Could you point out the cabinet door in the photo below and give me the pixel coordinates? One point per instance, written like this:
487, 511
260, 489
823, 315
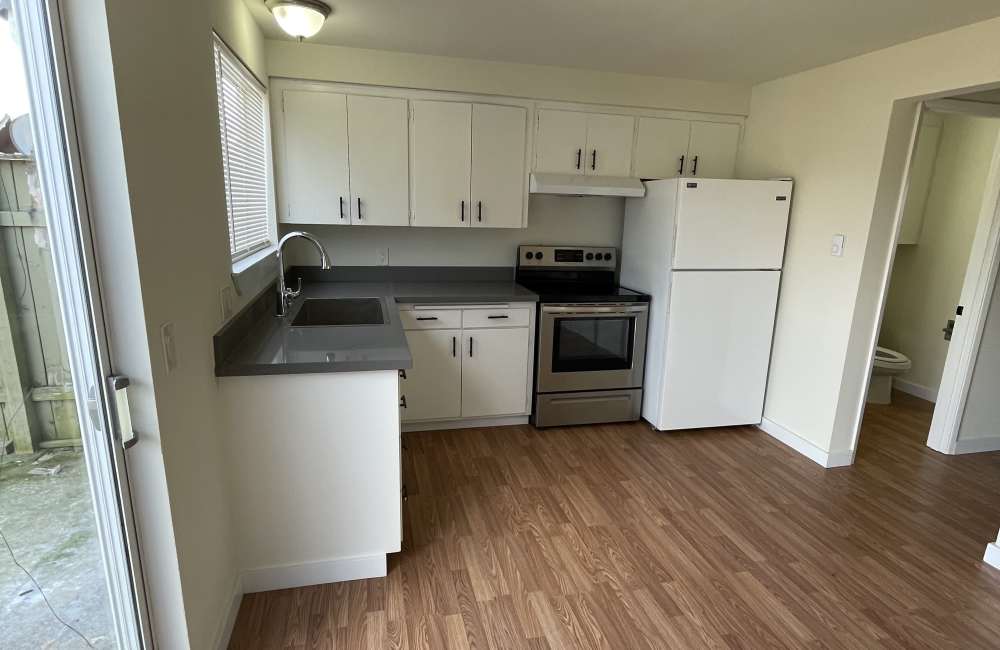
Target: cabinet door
433, 386
609, 145
441, 163
498, 174
713, 149
314, 175
494, 372
661, 147
560, 141
378, 136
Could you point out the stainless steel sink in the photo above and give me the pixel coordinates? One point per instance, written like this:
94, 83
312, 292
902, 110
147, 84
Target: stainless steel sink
328, 312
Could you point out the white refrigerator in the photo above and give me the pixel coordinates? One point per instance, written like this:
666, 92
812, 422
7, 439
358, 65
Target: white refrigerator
709, 252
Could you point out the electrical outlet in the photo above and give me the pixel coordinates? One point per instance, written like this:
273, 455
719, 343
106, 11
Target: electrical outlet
169, 347
226, 299
837, 245
382, 256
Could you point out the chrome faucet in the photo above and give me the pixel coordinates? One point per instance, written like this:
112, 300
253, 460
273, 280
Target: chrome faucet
286, 295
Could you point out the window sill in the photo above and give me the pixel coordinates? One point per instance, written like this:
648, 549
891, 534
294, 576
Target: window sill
254, 272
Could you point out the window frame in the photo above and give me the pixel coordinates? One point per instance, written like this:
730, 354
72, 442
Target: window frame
243, 260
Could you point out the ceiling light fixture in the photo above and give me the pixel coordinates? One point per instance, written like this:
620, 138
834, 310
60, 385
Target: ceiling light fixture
299, 18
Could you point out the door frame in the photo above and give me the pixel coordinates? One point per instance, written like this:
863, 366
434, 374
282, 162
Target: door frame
980, 278
977, 290
39, 30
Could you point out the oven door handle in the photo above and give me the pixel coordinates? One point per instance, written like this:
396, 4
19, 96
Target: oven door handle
595, 311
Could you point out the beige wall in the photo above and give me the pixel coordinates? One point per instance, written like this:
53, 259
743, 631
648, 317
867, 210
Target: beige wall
353, 65
830, 129
173, 219
927, 278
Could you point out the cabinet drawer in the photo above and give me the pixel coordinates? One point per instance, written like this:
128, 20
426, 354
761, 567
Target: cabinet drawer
430, 319
500, 317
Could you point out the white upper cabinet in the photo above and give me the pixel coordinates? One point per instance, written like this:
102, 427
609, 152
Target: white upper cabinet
661, 147
712, 149
498, 173
377, 134
570, 142
441, 163
314, 178
560, 141
609, 145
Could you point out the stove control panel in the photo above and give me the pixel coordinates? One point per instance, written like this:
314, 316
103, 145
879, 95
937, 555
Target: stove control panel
529, 255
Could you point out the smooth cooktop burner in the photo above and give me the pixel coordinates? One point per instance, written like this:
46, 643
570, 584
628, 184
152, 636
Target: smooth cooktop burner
573, 292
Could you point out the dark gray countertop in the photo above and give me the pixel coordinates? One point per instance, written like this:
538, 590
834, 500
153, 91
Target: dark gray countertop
256, 342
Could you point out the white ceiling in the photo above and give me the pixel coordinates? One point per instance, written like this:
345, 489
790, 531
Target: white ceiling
719, 40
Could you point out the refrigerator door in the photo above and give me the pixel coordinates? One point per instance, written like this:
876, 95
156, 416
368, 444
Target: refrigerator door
731, 224
718, 348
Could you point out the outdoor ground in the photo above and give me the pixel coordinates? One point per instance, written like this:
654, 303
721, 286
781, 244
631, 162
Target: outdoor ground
49, 523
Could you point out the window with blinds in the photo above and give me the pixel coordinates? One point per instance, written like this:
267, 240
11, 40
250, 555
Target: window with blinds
245, 152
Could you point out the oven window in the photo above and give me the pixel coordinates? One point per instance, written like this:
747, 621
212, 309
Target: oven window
584, 344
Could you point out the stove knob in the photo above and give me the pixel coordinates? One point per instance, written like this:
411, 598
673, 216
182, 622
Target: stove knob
529, 255
607, 257
538, 255
590, 256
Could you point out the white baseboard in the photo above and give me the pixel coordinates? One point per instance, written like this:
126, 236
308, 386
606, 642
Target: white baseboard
465, 423
992, 556
228, 621
977, 445
809, 450
314, 573
917, 390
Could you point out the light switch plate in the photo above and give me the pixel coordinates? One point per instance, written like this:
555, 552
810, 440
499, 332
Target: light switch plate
837, 245
169, 346
382, 256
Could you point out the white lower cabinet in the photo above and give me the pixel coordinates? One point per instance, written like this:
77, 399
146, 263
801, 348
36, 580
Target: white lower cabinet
494, 371
433, 386
482, 369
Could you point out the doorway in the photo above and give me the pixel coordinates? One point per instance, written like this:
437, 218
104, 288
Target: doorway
69, 569
944, 268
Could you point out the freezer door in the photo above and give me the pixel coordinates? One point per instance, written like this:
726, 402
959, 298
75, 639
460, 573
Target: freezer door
731, 224
718, 348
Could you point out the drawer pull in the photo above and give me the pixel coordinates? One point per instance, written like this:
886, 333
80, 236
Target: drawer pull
427, 317
498, 316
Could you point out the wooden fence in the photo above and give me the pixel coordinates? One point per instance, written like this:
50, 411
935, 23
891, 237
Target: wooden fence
36, 393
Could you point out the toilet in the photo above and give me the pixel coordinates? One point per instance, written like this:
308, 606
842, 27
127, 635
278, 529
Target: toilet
888, 364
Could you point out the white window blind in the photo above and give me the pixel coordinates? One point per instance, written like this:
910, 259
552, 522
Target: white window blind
243, 124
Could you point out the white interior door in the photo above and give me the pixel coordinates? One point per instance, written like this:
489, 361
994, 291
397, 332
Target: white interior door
377, 132
433, 386
560, 141
609, 145
718, 348
494, 372
713, 149
731, 224
441, 155
661, 147
314, 175
498, 173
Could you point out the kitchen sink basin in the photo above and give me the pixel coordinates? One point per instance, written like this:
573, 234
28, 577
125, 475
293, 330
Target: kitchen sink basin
327, 312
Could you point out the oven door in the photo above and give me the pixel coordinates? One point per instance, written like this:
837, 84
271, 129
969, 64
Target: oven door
591, 347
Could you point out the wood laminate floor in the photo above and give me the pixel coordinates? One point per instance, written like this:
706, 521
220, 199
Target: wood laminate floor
619, 537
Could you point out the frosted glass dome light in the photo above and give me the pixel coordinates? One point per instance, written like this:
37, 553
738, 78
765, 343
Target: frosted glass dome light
299, 18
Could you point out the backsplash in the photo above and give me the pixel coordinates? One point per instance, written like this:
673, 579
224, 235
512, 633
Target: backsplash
593, 221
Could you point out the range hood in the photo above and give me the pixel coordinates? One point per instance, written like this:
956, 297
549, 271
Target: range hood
580, 185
